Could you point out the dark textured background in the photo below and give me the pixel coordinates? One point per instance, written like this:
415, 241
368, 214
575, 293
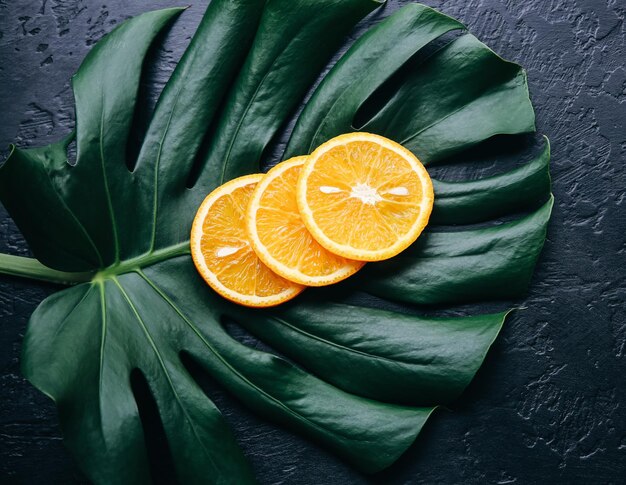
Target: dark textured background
548, 406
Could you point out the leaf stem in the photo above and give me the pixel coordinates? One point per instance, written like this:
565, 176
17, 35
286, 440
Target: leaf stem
31, 268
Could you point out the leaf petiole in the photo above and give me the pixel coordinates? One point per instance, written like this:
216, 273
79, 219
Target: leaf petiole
33, 269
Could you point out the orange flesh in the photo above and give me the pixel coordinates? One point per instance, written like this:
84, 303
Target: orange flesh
379, 195
284, 237
226, 254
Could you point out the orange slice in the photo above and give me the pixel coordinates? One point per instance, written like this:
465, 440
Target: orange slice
221, 250
364, 197
280, 238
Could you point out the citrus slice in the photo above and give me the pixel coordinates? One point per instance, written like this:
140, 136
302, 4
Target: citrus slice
221, 250
280, 238
364, 197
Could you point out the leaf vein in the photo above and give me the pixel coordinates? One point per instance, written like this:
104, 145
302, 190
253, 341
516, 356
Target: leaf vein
249, 105
103, 334
155, 203
236, 372
400, 362
164, 368
105, 181
70, 313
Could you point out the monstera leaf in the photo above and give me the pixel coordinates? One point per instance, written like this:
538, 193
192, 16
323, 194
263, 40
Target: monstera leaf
360, 381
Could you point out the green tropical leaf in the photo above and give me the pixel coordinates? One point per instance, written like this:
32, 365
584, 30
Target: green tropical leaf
382, 355
361, 381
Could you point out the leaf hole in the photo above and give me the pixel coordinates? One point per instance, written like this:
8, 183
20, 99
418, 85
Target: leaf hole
202, 153
160, 459
385, 92
275, 149
237, 332
360, 298
492, 156
213, 389
71, 152
157, 67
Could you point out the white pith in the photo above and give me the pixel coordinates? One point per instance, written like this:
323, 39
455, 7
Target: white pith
365, 193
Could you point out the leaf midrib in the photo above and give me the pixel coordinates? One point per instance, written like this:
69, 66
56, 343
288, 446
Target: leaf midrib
482, 93
33, 269
155, 202
105, 181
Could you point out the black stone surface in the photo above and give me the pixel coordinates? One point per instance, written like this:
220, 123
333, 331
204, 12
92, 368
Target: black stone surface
548, 406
